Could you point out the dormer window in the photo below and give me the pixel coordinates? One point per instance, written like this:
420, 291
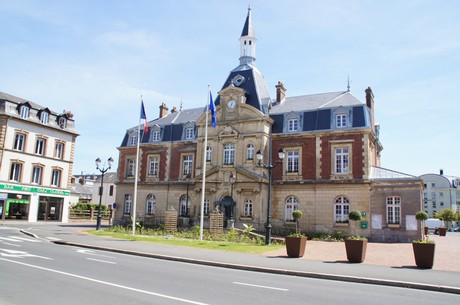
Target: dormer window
132, 141
293, 125
156, 136
189, 133
62, 122
24, 111
341, 120
44, 117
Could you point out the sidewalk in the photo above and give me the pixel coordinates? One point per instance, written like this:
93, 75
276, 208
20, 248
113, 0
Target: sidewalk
447, 255
385, 264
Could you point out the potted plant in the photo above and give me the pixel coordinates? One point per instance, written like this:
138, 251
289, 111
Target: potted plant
296, 242
424, 247
355, 245
447, 215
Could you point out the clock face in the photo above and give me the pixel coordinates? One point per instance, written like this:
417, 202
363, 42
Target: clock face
231, 104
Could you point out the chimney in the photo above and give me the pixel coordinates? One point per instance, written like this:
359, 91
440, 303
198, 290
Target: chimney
163, 110
441, 172
280, 92
174, 109
370, 104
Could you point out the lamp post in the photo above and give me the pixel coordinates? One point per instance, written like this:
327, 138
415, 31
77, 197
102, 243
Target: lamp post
187, 179
103, 171
270, 167
232, 180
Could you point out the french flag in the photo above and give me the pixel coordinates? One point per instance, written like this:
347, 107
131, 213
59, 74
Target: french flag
144, 117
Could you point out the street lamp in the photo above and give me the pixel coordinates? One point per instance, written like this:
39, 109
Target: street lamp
103, 171
270, 167
232, 180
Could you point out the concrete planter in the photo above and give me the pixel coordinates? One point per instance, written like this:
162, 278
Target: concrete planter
356, 250
424, 255
442, 231
295, 246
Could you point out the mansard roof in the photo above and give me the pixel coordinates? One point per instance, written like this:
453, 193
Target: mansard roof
257, 93
316, 101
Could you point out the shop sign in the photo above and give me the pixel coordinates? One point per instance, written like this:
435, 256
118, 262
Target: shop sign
3, 196
21, 188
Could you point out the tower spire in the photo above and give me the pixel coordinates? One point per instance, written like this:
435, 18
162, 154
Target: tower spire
248, 42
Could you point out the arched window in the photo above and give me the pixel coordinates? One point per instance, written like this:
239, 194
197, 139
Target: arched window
248, 208
128, 203
150, 205
341, 209
292, 204
184, 206
250, 152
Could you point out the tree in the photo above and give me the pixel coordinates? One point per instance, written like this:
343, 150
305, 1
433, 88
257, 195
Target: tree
297, 214
446, 215
422, 216
355, 216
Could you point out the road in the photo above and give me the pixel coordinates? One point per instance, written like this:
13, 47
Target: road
36, 271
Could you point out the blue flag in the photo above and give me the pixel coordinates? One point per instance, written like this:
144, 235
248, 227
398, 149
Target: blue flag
212, 107
144, 117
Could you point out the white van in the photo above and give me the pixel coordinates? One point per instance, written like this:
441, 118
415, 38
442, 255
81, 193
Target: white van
434, 224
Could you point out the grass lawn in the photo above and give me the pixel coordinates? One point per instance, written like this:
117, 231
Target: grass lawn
196, 243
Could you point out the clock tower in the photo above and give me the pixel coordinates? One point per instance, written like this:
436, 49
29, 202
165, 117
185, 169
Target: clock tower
246, 76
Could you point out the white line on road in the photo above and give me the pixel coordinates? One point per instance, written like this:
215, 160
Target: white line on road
25, 239
100, 260
105, 283
260, 286
11, 244
10, 239
91, 252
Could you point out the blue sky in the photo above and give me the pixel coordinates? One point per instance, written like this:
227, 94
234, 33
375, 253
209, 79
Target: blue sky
96, 59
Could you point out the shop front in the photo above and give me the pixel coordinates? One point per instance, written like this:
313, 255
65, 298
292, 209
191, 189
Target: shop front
18, 202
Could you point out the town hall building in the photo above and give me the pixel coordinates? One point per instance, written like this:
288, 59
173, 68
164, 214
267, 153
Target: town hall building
330, 162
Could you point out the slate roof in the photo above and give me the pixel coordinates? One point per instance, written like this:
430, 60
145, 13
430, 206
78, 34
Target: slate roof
257, 93
18, 100
316, 101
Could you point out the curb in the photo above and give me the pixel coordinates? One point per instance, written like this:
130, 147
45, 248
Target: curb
326, 276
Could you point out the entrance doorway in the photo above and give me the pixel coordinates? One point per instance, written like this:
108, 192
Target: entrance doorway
226, 206
50, 208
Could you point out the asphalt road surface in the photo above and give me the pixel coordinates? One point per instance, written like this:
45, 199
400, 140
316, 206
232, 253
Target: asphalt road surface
36, 271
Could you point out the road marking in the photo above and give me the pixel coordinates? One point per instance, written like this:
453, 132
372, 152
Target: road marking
25, 239
100, 260
11, 244
91, 252
11, 239
20, 254
105, 283
260, 286
52, 238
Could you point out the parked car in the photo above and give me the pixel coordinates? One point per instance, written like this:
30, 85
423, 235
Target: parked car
456, 229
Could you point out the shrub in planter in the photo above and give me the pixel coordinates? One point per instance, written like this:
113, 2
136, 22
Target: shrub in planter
423, 248
422, 216
296, 242
355, 245
424, 253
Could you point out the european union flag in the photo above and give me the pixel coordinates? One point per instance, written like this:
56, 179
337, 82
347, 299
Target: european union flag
212, 107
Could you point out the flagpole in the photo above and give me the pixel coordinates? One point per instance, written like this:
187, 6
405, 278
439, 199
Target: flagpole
137, 171
205, 147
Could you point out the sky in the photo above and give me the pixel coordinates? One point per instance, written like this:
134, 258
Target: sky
97, 58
